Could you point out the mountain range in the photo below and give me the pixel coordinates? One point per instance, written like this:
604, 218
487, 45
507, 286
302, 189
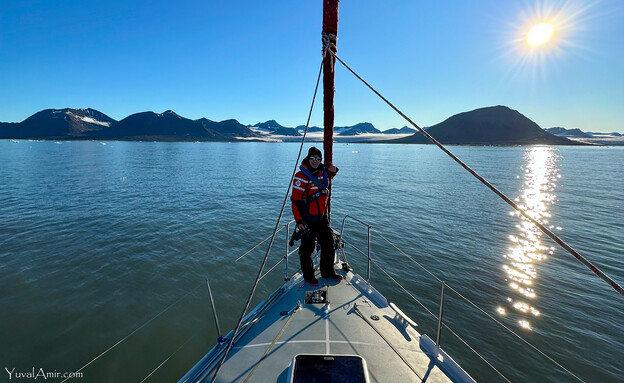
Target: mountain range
91, 124
578, 133
593, 138
496, 125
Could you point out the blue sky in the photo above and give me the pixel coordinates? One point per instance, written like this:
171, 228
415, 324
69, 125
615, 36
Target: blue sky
258, 60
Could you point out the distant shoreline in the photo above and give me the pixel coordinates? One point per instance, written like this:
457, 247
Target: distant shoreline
488, 126
604, 142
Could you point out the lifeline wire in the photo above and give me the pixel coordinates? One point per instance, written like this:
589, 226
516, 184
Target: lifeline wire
435, 317
169, 357
272, 268
512, 332
257, 245
474, 305
137, 329
266, 256
543, 228
410, 258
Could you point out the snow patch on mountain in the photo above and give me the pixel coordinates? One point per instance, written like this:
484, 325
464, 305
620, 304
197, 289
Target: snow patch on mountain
94, 121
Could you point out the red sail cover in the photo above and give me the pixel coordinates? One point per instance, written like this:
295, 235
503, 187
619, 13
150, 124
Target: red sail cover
330, 28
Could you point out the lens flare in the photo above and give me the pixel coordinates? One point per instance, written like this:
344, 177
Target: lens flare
542, 37
540, 34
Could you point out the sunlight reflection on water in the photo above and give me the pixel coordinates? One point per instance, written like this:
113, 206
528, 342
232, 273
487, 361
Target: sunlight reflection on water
540, 174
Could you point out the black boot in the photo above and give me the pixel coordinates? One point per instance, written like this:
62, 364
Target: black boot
333, 276
307, 268
311, 280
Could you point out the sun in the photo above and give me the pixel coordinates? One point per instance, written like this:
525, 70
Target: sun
540, 34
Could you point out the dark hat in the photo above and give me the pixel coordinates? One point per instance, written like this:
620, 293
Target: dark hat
313, 150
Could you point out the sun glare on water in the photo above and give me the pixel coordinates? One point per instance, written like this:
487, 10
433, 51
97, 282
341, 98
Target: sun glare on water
540, 34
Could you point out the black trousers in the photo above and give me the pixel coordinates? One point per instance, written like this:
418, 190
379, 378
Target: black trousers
321, 231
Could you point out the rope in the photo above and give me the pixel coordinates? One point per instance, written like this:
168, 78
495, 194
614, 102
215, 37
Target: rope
266, 352
266, 256
137, 329
543, 228
329, 44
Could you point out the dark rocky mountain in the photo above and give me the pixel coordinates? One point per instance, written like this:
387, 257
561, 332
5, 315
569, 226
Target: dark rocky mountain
495, 125
403, 130
166, 126
9, 130
85, 124
273, 127
59, 124
270, 125
228, 128
362, 127
563, 132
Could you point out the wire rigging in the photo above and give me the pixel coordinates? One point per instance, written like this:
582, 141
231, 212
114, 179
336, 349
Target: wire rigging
472, 304
257, 245
543, 228
327, 47
137, 329
275, 230
169, 357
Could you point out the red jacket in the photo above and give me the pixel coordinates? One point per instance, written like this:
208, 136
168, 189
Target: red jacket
303, 189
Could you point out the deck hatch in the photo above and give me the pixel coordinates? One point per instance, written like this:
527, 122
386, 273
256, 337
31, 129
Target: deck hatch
309, 368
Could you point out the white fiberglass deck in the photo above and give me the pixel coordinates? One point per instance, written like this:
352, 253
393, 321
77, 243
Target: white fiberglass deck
334, 328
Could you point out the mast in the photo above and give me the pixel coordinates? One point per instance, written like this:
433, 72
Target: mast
330, 33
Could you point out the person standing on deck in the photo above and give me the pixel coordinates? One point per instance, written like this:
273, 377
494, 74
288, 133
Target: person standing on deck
310, 196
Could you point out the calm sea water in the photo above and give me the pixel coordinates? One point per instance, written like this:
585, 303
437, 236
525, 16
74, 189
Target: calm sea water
98, 240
